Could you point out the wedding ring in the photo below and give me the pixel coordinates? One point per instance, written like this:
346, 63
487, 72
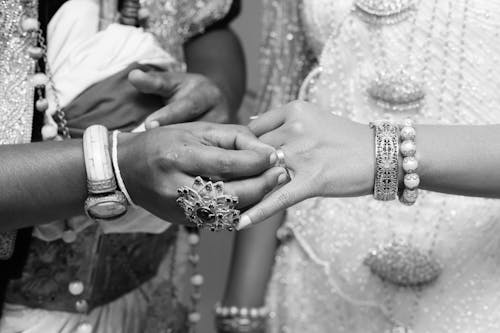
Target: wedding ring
280, 155
207, 206
280, 162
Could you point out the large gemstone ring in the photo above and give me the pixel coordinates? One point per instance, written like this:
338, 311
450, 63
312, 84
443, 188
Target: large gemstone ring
207, 206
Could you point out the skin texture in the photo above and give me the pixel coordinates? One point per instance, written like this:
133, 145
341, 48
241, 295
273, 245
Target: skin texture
331, 156
208, 91
45, 181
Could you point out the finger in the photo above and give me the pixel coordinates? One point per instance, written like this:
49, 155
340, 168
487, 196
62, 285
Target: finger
252, 190
234, 137
155, 82
268, 121
275, 138
284, 197
223, 164
179, 111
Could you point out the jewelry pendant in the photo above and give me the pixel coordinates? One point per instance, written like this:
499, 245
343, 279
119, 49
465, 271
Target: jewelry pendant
397, 91
403, 264
384, 12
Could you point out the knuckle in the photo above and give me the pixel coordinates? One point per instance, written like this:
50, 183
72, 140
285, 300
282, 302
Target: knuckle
297, 127
296, 105
284, 198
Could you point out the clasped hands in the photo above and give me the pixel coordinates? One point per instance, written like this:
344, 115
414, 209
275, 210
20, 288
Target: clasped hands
324, 155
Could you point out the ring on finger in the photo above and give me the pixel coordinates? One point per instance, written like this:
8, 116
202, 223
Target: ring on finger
280, 161
280, 158
207, 206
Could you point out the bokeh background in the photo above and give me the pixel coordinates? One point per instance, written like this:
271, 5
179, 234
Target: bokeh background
215, 249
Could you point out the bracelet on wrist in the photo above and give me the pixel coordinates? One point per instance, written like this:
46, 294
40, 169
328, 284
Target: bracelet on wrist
240, 319
386, 160
116, 167
104, 201
408, 150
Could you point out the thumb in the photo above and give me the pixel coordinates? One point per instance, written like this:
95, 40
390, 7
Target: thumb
154, 82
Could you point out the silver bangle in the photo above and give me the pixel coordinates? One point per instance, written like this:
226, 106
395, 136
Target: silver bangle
386, 160
116, 168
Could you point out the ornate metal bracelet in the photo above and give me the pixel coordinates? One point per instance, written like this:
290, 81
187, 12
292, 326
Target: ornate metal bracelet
386, 160
408, 149
233, 319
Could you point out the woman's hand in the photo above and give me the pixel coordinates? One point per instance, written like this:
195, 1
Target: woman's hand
188, 96
156, 163
326, 155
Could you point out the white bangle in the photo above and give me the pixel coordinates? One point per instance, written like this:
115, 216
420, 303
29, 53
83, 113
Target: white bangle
116, 168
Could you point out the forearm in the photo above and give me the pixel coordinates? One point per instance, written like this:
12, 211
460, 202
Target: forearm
251, 264
218, 55
462, 160
41, 182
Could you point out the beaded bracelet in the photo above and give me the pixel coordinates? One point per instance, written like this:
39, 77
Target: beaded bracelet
408, 149
235, 319
386, 159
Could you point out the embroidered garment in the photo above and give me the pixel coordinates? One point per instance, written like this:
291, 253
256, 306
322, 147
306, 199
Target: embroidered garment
320, 282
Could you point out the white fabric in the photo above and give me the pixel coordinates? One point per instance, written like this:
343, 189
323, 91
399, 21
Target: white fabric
79, 55
320, 283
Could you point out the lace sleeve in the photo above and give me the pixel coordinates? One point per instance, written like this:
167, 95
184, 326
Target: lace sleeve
285, 56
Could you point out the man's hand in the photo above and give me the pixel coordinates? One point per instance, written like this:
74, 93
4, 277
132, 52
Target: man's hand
189, 97
156, 163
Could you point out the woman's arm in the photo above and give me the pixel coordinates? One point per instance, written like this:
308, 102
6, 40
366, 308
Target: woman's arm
463, 160
334, 157
251, 265
217, 54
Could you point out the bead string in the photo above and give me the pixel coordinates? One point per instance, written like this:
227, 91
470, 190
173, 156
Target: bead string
196, 280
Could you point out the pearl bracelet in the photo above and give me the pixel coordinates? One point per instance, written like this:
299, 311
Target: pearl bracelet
235, 319
408, 150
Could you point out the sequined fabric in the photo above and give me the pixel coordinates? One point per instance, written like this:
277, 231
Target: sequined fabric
174, 21
320, 281
16, 93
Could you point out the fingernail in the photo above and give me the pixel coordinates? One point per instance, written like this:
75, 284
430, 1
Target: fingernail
244, 222
273, 158
154, 124
254, 117
282, 178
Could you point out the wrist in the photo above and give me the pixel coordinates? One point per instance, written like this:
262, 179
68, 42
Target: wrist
368, 187
129, 160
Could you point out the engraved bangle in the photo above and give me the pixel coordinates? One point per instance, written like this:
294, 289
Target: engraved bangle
100, 175
116, 167
408, 150
386, 160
